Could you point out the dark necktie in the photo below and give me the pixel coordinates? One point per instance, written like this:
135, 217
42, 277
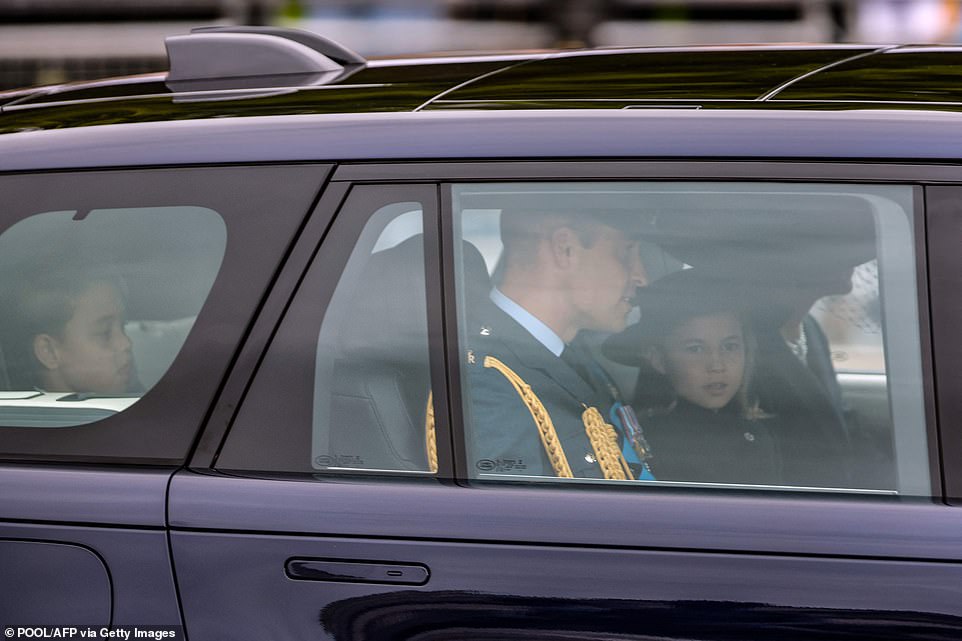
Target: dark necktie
590, 371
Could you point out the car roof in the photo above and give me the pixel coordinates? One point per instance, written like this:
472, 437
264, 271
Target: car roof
747, 101
812, 77
890, 135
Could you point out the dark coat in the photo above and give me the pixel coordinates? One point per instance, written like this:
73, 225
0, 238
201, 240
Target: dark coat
503, 436
691, 443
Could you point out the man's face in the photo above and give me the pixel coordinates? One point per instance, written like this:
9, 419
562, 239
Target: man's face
604, 280
93, 353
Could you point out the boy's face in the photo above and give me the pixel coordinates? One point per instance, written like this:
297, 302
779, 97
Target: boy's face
704, 359
93, 353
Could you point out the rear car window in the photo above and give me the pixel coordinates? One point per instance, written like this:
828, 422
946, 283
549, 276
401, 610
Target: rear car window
125, 295
97, 305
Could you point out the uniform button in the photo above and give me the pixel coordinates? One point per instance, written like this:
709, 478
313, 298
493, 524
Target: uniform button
749, 437
590, 458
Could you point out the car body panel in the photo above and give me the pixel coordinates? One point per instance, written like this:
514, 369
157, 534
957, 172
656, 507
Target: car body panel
137, 562
540, 590
137, 496
739, 134
108, 518
669, 519
55, 582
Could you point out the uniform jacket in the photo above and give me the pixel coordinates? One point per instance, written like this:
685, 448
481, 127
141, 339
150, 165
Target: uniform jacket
503, 436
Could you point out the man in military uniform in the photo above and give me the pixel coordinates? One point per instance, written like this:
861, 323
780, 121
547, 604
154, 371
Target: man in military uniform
540, 405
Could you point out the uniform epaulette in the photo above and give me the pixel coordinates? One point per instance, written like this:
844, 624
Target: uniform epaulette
546, 429
602, 435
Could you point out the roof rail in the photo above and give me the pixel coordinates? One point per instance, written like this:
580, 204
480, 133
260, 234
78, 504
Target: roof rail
225, 58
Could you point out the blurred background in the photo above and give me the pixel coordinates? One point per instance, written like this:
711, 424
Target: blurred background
53, 41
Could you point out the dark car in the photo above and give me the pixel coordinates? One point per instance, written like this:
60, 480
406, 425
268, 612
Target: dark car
608, 344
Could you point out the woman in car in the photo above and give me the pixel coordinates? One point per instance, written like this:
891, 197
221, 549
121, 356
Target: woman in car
693, 397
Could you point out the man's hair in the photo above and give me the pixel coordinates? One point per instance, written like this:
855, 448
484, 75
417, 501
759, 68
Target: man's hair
522, 230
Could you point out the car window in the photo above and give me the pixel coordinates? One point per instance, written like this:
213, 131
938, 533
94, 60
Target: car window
742, 335
125, 294
345, 385
852, 324
97, 306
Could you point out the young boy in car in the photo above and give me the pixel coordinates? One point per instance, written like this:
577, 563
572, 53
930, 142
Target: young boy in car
70, 333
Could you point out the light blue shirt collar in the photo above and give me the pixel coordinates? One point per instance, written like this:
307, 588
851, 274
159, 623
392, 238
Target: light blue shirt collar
536, 328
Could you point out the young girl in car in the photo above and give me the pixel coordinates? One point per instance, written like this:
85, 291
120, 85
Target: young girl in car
693, 397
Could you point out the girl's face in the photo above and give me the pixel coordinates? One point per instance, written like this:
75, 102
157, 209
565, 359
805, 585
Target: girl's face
704, 359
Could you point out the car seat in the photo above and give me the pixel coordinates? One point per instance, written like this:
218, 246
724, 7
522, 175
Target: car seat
380, 380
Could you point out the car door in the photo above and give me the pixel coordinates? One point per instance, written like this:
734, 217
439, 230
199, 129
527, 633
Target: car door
173, 263
347, 490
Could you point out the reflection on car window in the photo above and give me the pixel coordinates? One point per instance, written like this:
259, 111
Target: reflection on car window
851, 322
743, 335
97, 305
371, 375
345, 385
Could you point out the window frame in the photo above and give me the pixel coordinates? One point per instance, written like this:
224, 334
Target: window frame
442, 174
160, 428
915, 195
914, 176
944, 224
328, 257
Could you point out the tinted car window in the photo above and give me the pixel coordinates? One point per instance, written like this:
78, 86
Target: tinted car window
125, 294
692, 334
97, 306
348, 381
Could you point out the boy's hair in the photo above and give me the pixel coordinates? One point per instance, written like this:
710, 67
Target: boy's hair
43, 302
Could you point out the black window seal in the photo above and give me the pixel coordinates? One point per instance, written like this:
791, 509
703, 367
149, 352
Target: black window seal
944, 224
773, 170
